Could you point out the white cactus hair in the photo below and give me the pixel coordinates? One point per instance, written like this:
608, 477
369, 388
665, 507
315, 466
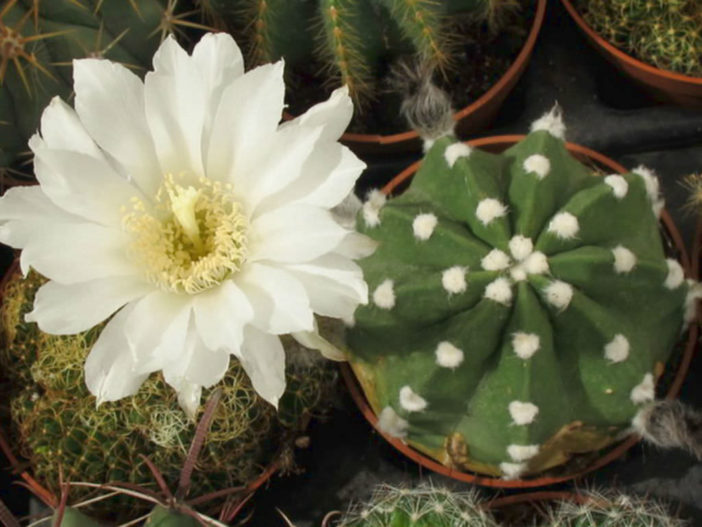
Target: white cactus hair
426, 107
670, 424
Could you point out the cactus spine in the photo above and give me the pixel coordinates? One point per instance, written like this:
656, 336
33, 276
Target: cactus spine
40, 38
522, 307
356, 40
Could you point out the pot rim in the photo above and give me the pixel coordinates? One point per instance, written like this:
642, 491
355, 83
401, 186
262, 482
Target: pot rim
513, 71
621, 55
612, 453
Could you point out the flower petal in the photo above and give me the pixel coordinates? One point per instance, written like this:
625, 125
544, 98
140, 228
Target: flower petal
334, 115
294, 234
109, 368
176, 102
242, 133
313, 340
157, 329
220, 316
110, 104
356, 245
263, 359
69, 253
83, 185
67, 309
30, 203
257, 177
61, 129
334, 284
279, 300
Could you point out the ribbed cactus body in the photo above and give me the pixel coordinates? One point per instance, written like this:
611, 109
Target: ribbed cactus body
521, 307
63, 434
354, 40
39, 40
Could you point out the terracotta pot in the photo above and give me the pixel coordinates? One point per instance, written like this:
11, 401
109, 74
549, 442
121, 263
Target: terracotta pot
661, 84
498, 144
469, 120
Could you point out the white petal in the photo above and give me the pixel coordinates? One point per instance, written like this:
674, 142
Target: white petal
242, 132
109, 368
195, 365
157, 329
218, 58
334, 115
279, 300
61, 129
334, 284
52, 249
220, 316
175, 108
356, 246
293, 234
68, 309
110, 103
30, 203
83, 185
263, 359
313, 340
259, 176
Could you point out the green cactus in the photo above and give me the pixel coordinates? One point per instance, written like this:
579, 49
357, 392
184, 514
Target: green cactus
521, 308
61, 431
611, 509
665, 33
40, 38
424, 506
356, 40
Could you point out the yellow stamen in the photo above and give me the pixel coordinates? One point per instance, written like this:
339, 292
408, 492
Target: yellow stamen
190, 239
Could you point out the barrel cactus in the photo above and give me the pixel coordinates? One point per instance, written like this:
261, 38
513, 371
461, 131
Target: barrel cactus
355, 40
61, 432
422, 506
522, 306
39, 39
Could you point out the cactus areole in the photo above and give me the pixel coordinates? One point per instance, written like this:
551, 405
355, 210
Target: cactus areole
522, 306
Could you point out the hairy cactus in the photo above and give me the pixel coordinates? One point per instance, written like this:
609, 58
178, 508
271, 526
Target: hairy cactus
612, 509
665, 33
522, 306
40, 38
355, 39
424, 506
62, 432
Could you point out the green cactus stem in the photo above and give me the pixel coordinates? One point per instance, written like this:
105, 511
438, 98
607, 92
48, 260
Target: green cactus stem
62, 433
40, 38
521, 307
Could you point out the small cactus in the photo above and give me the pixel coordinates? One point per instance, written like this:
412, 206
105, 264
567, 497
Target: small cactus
356, 40
424, 506
611, 509
522, 307
62, 433
665, 33
40, 38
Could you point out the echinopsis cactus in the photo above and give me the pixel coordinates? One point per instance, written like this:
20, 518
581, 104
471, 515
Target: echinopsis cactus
40, 38
522, 307
665, 33
423, 506
354, 39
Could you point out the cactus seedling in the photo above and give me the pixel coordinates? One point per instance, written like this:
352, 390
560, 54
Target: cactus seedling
522, 306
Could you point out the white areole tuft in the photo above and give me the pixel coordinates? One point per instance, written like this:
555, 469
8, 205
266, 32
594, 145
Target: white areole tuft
384, 294
564, 225
644, 391
538, 164
618, 349
489, 209
559, 294
523, 413
453, 279
500, 291
521, 453
411, 401
495, 260
448, 355
423, 226
624, 259
619, 185
676, 275
512, 470
552, 122
455, 151
525, 344
371, 208
520, 247
392, 424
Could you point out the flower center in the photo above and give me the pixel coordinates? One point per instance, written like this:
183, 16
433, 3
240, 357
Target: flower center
190, 239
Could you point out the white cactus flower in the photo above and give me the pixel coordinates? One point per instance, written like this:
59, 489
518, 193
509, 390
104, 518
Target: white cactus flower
180, 209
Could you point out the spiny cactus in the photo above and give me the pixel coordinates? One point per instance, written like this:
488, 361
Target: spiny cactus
522, 307
423, 506
355, 39
61, 431
612, 509
665, 33
40, 38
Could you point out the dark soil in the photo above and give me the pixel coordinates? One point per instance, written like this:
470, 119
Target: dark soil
481, 60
